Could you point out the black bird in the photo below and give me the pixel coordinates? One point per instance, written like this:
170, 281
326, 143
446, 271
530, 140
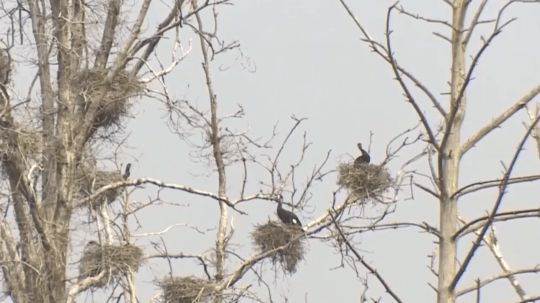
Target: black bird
127, 173
286, 216
87, 269
364, 158
92, 243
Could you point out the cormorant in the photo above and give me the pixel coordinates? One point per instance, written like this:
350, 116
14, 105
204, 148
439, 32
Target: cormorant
91, 244
286, 216
127, 173
364, 158
87, 269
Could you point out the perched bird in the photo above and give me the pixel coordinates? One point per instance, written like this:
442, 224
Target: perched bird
92, 244
127, 173
286, 216
87, 267
364, 158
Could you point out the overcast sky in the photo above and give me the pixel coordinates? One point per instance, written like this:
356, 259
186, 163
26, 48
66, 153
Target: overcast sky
305, 58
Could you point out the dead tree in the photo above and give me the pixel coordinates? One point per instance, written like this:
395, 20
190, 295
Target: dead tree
445, 148
86, 74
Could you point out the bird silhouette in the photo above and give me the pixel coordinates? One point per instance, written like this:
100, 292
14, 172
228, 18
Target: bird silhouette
286, 216
87, 269
92, 244
364, 158
127, 172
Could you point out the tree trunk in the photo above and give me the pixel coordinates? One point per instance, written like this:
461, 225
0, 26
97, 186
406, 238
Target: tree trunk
450, 160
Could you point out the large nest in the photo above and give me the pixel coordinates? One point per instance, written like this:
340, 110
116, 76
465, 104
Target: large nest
186, 289
6, 68
366, 181
21, 142
272, 235
90, 180
113, 259
115, 104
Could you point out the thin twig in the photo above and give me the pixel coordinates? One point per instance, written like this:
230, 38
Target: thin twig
498, 202
371, 269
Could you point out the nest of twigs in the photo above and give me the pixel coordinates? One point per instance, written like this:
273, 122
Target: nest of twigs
18, 143
274, 234
186, 289
90, 180
5, 68
115, 104
113, 259
366, 181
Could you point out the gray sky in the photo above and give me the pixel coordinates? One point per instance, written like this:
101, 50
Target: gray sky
310, 62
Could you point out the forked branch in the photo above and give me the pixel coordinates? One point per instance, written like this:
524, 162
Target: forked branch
159, 183
380, 50
371, 269
406, 91
489, 221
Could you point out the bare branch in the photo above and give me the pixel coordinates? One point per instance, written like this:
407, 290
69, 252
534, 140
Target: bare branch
514, 108
521, 103
474, 22
377, 47
371, 269
78, 203
410, 98
167, 229
457, 102
536, 131
422, 187
503, 216
467, 290
494, 247
473, 187
502, 190
418, 17
113, 12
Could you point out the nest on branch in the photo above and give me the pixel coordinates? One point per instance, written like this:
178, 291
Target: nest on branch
274, 234
366, 181
113, 259
186, 289
20, 142
90, 180
115, 104
6, 68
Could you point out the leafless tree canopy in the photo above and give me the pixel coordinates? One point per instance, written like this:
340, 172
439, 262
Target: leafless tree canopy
90, 61
444, 150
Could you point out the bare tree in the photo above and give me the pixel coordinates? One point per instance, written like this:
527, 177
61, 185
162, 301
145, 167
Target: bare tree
55, 143
87, 72
444, 151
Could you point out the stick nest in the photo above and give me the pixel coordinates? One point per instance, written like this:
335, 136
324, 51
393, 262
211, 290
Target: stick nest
272, 235
186, 289
115, 104
6, 68
113, 259
20, 142
364, 180
90, 180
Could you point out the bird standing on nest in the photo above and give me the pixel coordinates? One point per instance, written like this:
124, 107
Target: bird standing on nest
286, 216
364, 158
127, 172
91, 244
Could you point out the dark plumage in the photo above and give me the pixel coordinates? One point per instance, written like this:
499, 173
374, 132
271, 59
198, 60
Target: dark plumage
92, 244
127, 172
364, 158
286, 216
